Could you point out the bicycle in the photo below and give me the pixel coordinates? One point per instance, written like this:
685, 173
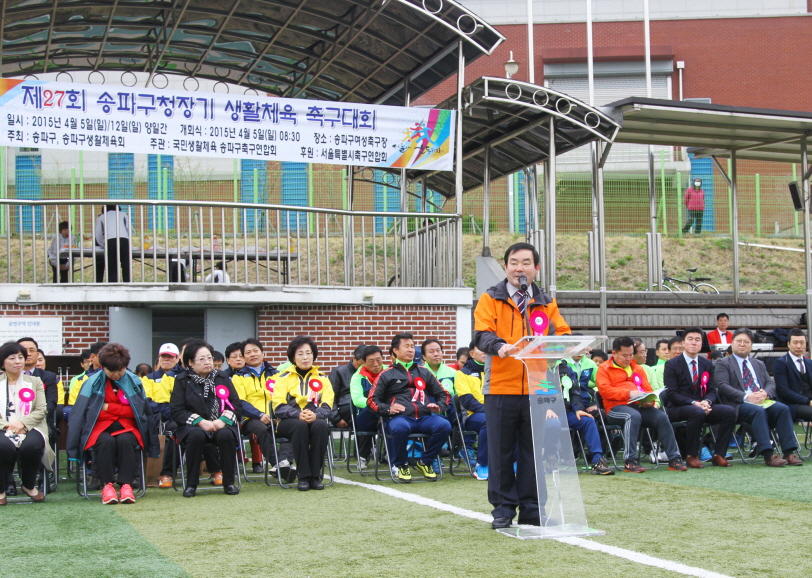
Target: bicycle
673, 284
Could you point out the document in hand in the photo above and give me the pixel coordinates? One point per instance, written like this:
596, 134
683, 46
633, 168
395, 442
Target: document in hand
643, 396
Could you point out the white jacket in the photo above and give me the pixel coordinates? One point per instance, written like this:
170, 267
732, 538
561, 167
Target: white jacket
112, 225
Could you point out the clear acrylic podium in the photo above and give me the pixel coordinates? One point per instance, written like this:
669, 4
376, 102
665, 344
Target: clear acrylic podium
556, 470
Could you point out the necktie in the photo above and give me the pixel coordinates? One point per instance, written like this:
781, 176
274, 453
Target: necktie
747, 378
800, 366
520, 301
693, 370
27, 372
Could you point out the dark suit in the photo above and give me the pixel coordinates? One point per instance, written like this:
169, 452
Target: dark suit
683, 391
794, 388
731, 390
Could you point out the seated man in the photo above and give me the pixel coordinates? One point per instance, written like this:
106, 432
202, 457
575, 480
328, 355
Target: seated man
254, 385
469, 391
691, 397
362, 381
720, 335
793, 377
340, 378
581, 421
619, 380
408, 385
745, 385
158, 387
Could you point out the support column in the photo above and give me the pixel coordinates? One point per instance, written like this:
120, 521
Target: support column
458, 176
807, 230
486, 204
593, 256
409, 259
601, 238
549, 212
734, 225
349, 230
652, 208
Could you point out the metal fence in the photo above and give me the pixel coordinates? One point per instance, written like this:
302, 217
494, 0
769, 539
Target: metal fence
240, 243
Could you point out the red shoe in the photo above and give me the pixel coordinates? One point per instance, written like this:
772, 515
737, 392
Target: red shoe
127, 496
109, 495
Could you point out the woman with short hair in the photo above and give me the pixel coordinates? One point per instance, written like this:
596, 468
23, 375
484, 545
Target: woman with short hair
111, 418
23, 421
302, 401
207, 409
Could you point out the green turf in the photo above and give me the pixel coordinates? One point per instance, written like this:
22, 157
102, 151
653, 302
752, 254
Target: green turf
744, 521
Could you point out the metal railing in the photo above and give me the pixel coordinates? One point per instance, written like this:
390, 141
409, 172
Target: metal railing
224, 242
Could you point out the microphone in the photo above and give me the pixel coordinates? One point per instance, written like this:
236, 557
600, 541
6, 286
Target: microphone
523, 283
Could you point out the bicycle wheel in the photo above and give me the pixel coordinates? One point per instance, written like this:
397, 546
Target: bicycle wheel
705, 288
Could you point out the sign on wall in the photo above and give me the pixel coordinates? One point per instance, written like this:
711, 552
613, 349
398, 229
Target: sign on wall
47, 331
147, 120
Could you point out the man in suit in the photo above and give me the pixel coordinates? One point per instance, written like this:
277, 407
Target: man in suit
745, 385
720, 334
690, 396
793, 377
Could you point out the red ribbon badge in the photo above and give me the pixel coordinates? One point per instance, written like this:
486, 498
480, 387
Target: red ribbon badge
703, 382
315, 387
221, 391
420, 387
123, 398
638, 381
539, 322
269, 384
27, 395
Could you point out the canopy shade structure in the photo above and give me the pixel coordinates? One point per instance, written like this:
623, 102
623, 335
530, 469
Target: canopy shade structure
712, 129
341, 50
512, 118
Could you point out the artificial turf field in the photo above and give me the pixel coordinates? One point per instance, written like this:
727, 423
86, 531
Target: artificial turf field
748, 520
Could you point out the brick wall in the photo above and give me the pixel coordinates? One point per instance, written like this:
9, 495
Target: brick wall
82, 325
756, 62
337, 329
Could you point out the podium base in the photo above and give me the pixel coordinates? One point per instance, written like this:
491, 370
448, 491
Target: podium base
539, 532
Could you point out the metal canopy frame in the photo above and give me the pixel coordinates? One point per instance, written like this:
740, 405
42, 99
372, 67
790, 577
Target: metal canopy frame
342, 50
721, 131
510, 122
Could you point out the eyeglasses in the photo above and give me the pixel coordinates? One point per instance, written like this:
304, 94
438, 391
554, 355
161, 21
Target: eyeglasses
202, 359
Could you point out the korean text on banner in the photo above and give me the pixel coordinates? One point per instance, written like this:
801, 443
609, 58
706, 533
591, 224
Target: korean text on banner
120, 119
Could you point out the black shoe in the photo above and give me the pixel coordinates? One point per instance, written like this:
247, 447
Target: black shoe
93, 484
12, 489
500, 523
529, 521
303, 485
315, 484
190, 492
257, 469
231, 490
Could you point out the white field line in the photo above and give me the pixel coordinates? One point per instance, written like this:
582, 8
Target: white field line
580, 542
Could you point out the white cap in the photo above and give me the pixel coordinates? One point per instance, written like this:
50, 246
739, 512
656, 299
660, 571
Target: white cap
169, 349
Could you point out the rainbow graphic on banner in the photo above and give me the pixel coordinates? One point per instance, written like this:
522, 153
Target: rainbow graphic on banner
7, 86
422, 143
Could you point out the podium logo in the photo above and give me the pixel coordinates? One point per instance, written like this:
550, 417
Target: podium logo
544, 387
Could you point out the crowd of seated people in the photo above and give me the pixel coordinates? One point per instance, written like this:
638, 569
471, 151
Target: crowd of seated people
693, 407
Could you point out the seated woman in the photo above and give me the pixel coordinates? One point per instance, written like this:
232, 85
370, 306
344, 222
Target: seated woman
24, 423
111, 418
207, 410
302, 400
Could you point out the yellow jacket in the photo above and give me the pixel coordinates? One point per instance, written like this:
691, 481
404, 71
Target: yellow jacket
292, 393
468, 384
159, 385
76, 385
255, 391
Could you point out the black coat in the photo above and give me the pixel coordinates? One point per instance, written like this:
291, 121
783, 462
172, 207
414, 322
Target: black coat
397, 385
680, 385
187, 403
790, 385
340, 380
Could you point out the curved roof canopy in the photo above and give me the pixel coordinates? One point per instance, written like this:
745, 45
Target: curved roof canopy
340, 50
513, 119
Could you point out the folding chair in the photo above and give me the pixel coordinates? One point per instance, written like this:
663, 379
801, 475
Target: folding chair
22, 497
383, 438
777, 443
81, 480
180, 454
459, 432
607, 427
242, 470
355, 434
277, 441
343, 453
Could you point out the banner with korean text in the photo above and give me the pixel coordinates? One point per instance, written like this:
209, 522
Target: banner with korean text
138, 120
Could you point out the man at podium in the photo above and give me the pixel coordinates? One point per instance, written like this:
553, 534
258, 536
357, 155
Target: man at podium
502, 317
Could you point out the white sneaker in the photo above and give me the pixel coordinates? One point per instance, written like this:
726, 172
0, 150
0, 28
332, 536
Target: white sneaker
362, 463
653, 457
662, 456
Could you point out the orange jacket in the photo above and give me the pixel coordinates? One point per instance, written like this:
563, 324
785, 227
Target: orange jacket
614, 384
497, 321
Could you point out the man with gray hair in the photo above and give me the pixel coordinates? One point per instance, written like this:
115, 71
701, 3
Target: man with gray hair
745, 385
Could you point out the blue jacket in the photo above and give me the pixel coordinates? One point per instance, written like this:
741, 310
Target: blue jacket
88, 406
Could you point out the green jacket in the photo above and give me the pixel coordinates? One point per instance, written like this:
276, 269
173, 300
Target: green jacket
360, 384
445, 375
